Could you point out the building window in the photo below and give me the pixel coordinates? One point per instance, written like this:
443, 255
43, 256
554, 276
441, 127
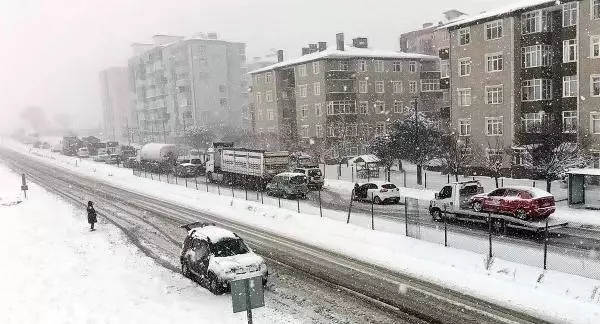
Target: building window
304, 131
397, 106
494, 62
535, 22
464, 127
532, 122
595, 9
268, 77
304, 111
570, 14
595, 123
537, 55
464, 36
269, 96
341, 107
319, 131
569, 119
412, 66
464, 97
397, 66
379, 87
595, 85
352, 130
570, 86
258, 98
494, 95
379, 66
595, 46
397, 85
271, 114
379, 107
362, 66
429, 85
318, 109
464, 67
344, 66
380, 128
363, 87
303, 90
317, 88
445, 69
302, 70
315, 66
259, 114
536, 89
493, 126
257, 77
494, 155
493, 30
363, 107
569, 50
412, 86
445, 95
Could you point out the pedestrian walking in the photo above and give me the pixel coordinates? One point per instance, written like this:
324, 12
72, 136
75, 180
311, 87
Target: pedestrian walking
91, 215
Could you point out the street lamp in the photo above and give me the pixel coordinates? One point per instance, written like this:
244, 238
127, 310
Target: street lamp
416, 136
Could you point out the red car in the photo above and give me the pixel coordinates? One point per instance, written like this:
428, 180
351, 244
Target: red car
521, 202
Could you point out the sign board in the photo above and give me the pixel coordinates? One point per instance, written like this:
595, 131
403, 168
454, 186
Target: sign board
25, 187
247, 292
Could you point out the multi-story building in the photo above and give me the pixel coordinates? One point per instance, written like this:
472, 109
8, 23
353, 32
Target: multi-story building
512, 68
117, 104
257, 63
182, 82
339, 99
423, 40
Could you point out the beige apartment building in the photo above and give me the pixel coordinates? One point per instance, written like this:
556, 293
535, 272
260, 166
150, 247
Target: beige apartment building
340, 99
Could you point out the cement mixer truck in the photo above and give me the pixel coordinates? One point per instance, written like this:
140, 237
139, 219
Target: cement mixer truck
157, 157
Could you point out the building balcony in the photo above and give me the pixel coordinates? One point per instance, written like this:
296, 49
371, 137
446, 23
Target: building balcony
340, 75
445, 83
430, 74
444, 53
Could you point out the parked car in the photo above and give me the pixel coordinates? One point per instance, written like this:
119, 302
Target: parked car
189, 168
130, 162
83, 152
288, 185
37, 144
522, 202
379, 192
214, 257
101, 157
46, 146
313, 175
113, 159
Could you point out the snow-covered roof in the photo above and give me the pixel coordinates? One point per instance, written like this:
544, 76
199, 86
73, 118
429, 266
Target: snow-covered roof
590, 172
368, 158
214, 233
349, 52
290, 174
536, 192
507, 9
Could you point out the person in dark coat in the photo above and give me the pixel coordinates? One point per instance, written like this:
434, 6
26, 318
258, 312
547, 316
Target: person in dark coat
355, 190
91, 215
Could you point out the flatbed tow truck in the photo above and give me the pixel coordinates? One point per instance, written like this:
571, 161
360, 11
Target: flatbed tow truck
453, 203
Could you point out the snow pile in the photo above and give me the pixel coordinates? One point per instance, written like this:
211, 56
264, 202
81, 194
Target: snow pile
520, 5
55, 271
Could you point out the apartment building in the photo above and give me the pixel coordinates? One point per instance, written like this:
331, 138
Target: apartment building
182, 82
117, 104
341, 98
422, 41
512, 68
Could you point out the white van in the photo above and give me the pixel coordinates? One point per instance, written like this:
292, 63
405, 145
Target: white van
83, 152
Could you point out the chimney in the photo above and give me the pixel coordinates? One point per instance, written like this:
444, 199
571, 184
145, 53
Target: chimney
212, 36
165, 39
322, 46
427, 25
339, 40
305, 50
360, 42
312, 47
279, 55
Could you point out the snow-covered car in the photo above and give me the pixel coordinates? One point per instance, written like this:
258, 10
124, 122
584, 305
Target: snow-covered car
101, 158
214, 257
46, 146
313, 175
521, 202
379, 192
83, 152
113, 159
189, 168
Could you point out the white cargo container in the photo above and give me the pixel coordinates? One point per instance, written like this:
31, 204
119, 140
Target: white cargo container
157, 152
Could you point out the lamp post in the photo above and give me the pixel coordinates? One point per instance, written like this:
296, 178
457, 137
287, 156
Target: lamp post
416, 147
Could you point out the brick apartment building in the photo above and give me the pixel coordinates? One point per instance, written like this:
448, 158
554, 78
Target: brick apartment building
339, 99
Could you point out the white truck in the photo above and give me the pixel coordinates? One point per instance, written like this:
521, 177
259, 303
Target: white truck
158, 157
227, 164
453, 203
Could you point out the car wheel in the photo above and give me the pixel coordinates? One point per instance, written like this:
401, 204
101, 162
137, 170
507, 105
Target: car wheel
185, 270
521, 214
477, 206
436, 214
214, 285
377, 200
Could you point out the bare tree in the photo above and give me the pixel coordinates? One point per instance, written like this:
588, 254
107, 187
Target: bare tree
457, 154
492, 157
382, 147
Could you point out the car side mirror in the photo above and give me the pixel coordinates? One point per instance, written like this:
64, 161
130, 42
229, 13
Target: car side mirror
437, 195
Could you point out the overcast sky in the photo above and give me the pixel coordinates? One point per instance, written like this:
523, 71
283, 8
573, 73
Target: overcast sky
53, 50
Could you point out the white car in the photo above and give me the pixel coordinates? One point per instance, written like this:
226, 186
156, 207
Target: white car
378, 192
83, 153
101, 158
214, 257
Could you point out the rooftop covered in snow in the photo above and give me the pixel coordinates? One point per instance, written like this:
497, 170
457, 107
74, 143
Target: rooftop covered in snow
501, 11
348, 53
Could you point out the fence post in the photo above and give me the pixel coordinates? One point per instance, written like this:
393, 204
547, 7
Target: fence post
445, 227
352, 170
196, 181
339, 171
159, 177
232, 192
320, 208
151, 176
404, 173
372, 211
262, 201
425, 180
246, 189
406, 212
546, 245
279, 201
502, 182
534, 183
298, 202
219, 187
186, 182
490, 233
206, 181
350, 208
448, 177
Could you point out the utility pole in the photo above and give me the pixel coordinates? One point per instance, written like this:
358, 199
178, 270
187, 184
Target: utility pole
419, 171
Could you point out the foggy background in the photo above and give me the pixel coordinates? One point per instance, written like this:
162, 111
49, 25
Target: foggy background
53, 50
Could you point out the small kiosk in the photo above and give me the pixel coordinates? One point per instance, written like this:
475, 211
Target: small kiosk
584, 188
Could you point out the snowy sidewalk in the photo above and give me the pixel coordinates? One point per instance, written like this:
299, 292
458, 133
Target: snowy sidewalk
55, 271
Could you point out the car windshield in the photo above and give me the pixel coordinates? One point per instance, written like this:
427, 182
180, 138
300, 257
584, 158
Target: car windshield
184, 161
389, 186
229, 247
297, 180
196, 161
314, 172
